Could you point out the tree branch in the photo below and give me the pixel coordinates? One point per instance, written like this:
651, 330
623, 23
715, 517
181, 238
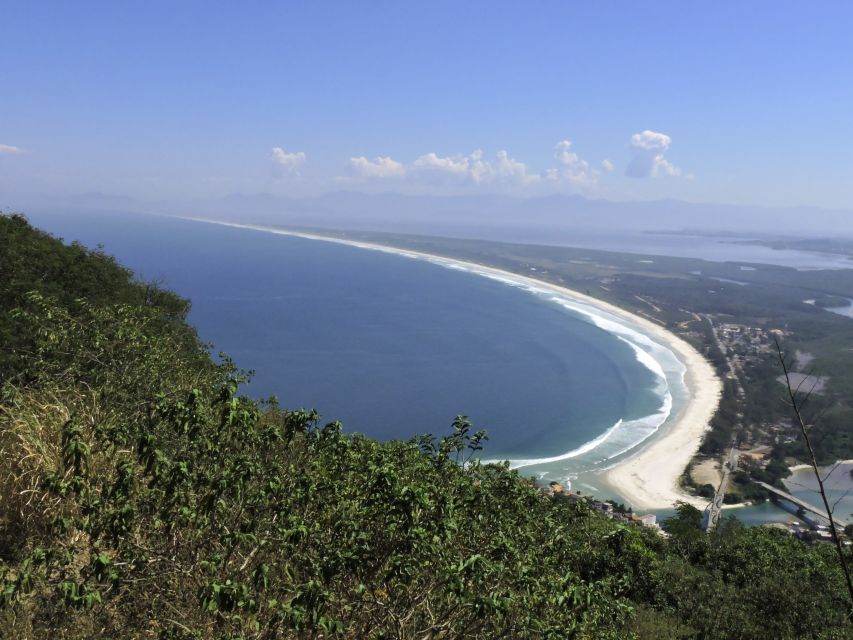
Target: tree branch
813, 463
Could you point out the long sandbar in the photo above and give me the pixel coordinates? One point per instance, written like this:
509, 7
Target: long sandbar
648, 479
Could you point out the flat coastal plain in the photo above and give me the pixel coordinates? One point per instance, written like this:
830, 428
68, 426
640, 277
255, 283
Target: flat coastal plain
648, 479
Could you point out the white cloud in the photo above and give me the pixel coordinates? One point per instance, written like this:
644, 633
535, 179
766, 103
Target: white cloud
572, 168
473, 169
651, 141
663, 167
508, 169
480, 169
563, 153
457, 165
648, 160
381, 167
287, 162
9, 149
606, 165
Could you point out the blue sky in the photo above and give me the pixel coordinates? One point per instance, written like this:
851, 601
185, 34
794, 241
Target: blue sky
747, 102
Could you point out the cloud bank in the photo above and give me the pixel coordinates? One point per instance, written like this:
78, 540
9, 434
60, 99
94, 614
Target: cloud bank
568, 171
472, 168
9, 149
476, 169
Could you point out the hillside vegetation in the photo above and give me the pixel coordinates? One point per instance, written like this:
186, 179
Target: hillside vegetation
141, 496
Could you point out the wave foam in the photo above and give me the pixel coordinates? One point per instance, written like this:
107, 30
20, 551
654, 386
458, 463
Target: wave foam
625, 435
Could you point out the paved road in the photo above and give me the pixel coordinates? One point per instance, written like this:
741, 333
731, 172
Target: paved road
740, 390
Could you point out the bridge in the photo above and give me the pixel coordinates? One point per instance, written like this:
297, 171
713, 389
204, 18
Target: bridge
715, 507
802, 504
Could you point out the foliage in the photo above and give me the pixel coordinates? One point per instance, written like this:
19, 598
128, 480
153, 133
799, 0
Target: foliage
143, 496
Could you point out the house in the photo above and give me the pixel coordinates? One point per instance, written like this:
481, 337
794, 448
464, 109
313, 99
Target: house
648, 520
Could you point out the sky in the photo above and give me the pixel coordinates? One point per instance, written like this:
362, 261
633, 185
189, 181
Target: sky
736, 102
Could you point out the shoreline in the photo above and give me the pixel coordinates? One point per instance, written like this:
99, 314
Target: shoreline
804, 465
649, 478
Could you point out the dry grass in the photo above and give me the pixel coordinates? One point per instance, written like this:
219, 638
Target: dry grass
31, 427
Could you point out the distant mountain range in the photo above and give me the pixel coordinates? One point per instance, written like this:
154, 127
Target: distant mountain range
489, 216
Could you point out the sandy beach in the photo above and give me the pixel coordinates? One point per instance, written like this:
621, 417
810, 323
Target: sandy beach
649, 479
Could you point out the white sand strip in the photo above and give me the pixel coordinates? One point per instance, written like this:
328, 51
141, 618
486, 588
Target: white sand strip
650, 478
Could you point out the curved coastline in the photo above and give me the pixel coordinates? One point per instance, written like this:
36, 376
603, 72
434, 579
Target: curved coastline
649, 477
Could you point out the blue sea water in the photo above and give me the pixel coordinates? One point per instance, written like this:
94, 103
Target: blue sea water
395, 347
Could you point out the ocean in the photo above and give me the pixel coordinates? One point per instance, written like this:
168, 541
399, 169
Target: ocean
395, 347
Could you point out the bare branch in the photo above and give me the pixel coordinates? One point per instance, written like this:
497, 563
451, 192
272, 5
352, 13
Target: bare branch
797, 408
843, 495
831, 471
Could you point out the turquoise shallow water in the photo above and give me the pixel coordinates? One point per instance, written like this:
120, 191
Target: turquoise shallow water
391, 346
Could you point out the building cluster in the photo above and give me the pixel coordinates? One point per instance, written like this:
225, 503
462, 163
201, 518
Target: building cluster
782, 431
762, 437
812, 532
744, 344
751, 460
609, 509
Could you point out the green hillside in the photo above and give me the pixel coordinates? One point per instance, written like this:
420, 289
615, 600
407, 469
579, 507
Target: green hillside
142, 497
